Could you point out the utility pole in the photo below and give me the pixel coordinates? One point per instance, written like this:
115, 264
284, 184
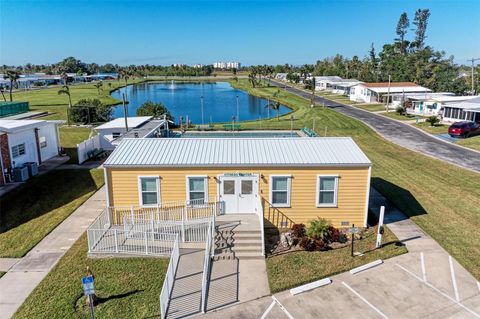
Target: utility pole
125, 111
388, 93
473, 73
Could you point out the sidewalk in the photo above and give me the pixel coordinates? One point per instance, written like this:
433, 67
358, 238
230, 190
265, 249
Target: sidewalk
27, 273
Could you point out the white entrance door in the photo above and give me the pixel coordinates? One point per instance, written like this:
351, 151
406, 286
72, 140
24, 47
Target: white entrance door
239, 193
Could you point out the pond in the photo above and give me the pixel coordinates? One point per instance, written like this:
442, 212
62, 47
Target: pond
185, 100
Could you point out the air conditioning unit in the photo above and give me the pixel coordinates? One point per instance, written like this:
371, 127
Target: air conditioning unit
32, 168
20, 174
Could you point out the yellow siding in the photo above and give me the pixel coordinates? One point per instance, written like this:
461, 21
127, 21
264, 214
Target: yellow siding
352, 189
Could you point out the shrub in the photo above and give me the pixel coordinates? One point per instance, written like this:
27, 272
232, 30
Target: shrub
88, 111
318, 228
400, 110
433, 120
298, 230
319, 245
153, 109
307, 244
333, 234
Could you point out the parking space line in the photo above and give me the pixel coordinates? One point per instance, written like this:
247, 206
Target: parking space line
364, 300
454, 280
276, 301
438, 290
424, 273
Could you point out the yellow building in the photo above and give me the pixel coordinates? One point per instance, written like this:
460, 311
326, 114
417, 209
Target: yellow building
289, 180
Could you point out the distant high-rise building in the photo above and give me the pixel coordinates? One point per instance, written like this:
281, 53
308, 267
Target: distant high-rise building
198, 66
226, 65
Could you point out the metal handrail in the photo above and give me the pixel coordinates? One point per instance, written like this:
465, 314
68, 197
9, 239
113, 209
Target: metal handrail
167, 287
206, 265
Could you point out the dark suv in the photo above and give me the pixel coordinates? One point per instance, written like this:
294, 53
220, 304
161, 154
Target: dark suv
464, 129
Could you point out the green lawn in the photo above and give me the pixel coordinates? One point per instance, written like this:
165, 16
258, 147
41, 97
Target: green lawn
49, 99
472, 142
300, 267
126, 287
437, 129
70, 137
34, 209
394, 115
443, 199
373, 107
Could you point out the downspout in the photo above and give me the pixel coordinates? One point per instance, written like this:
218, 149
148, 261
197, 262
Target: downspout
39, 154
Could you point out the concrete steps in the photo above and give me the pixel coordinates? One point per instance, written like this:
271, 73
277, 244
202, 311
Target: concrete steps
238, 237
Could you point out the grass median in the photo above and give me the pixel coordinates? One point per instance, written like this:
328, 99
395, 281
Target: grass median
33, 210
126, 287
300, 267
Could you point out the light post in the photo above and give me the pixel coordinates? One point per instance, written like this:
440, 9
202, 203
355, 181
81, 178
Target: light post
201, 106
238, 115
233, 123
291, 124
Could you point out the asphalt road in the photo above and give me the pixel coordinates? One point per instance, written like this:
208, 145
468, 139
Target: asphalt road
402, 134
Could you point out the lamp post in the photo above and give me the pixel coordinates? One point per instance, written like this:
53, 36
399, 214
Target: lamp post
291, 124
201, 106
238, 115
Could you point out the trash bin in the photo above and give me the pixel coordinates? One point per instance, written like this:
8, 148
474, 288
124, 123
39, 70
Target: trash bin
32, 168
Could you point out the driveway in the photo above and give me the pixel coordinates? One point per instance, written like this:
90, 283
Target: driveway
402, 134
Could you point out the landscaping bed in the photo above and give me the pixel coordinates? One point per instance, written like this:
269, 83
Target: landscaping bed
296, 266
126, 287
34, 209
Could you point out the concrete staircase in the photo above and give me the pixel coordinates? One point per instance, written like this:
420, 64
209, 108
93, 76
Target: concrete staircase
238, 236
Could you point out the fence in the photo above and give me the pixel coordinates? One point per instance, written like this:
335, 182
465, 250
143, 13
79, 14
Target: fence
167, 286
11, 108
86, 146
170, 211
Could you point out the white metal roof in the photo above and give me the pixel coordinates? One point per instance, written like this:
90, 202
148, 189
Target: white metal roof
133, 121
11, 126
472, 105
237, 152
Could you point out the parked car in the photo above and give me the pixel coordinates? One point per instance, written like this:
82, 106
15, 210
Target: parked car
464, 129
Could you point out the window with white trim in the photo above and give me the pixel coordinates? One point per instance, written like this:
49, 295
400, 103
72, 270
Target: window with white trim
327, 191
18, 150
197, 189
149, 190
280, 190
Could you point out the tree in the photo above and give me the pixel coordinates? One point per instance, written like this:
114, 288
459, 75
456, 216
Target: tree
157, 110
12, 76
99, 86
88, 111
66, 90
2, 90
274, 105
421, 22
402, 27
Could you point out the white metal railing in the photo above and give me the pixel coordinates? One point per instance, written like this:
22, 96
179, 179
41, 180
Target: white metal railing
260, 217
167, 286
169, 211
207, 264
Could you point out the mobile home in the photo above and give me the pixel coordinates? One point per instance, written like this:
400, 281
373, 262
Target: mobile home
298, 178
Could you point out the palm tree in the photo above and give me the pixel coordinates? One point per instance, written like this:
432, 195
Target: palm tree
2, 90
274, 105
66, 90
99, 86
13, 76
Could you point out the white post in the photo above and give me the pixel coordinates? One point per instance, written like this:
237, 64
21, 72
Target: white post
146, 244
183, 227
131, 213
116, 240
380, 227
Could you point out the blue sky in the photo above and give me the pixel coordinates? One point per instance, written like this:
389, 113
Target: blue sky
252, 32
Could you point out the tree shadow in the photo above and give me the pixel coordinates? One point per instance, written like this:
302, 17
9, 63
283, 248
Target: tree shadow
396, 197
42, 194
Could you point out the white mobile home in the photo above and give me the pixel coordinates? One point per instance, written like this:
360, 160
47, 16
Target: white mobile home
468, 110
429, 103
325, 82
383, 92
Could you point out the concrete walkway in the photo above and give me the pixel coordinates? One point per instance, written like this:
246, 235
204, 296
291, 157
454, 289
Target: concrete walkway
26, 274
424, 283
400, 133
